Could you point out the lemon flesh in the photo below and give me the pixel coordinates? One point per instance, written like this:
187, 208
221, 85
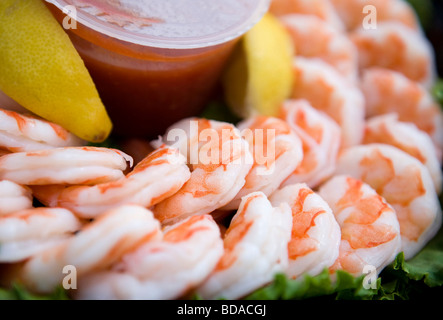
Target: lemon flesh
42, 71
259, 76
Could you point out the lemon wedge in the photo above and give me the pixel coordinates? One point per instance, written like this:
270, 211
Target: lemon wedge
42, 71
259, 76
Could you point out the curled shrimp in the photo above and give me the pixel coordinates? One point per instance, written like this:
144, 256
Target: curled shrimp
97, 246
322, 9
388, 91
165, 269
328, 91
315, 235
158, 176
70, 165
219, 159
321, 138
23, 133
352, 14
407, 137
370, 231
329, 44
255, 249
277, 152
14, 197
393, 46
406, 185
28, 232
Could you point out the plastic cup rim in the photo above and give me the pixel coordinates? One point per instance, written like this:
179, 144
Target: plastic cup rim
168, 43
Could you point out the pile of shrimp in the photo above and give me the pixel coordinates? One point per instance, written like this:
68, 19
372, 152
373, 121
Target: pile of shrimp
350, 179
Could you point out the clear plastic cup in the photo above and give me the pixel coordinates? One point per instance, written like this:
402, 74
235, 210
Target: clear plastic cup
155, 62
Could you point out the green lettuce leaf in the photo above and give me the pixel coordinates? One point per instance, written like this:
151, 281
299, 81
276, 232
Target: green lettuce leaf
19, 292
424, 10
420, 277
437, 91
218, 110
110, 142
427, 266
344, 287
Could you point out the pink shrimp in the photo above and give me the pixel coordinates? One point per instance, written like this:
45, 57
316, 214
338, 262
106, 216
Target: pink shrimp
330, 92
321, 138
219, 159
160, 175
70, 165
393, 46
14, 197
352, 12
406, 185
322, 9
407, 137
28, 232
97, 246
329, 44
315, 236
165, 269
370, 231
22, 133
388, 91
255, 249
277, 152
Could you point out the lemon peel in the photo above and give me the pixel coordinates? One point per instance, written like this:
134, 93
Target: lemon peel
259, 76
42, 71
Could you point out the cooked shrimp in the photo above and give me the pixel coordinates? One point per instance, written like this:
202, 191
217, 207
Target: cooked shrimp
330, 92
277, 152
352, 14
23, 133
406, 185
315, 236
393, 46
165, 269
321, 138
28, 232
157, 177
370, 232
70, 165
322, 9
407, 137
97, 246
255, 249
219, 159
388, 91
14, 197
329, 45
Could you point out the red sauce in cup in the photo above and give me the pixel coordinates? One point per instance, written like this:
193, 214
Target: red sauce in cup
155, 62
